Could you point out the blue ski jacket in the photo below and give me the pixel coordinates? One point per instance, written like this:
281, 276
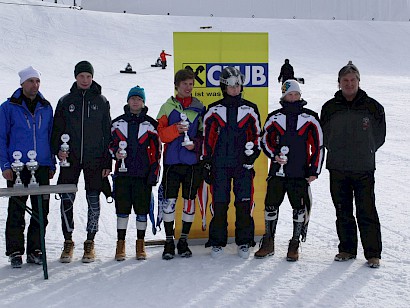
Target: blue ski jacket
22, 131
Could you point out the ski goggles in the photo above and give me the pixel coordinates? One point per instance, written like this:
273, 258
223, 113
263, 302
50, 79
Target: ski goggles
233, 80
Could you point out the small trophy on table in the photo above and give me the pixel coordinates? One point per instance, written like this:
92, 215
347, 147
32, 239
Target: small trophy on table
123, 145
283, 150
32, 166
65, 148
17, 167
184, 122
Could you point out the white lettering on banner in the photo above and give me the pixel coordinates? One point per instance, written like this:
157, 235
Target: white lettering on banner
255, 74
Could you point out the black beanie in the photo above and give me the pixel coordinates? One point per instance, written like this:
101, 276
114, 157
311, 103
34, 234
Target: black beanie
83, 66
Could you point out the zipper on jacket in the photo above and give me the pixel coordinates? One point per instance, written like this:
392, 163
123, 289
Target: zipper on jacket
40, 121
88, 109
34, 130
27, 120
34, 138
82, 130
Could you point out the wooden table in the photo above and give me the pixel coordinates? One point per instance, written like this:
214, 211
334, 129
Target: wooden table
38, 191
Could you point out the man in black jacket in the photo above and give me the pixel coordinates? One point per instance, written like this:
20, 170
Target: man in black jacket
354, 129
286, 72
83, 114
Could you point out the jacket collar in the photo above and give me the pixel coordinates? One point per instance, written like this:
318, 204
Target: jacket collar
129, 114
341, 99
18, 98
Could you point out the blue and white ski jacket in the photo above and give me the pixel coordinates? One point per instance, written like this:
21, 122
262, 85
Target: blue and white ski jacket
22, 131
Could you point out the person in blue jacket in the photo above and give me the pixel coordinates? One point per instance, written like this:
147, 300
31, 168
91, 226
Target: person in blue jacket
26, 121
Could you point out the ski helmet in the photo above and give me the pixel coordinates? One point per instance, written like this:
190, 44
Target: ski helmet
231, 76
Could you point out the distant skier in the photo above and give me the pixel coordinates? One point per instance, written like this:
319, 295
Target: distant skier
128, 68
163, 55
159, 62
286, 72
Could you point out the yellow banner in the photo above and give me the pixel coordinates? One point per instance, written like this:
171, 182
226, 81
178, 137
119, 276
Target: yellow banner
207, 54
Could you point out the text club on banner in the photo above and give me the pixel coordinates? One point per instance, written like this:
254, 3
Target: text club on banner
207, 54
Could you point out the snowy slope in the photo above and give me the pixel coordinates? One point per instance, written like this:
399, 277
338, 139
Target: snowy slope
55, 39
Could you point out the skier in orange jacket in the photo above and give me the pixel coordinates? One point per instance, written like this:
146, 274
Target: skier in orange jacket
163, 55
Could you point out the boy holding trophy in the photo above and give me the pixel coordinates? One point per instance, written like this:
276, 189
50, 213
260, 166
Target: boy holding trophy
180, 128
293, 141
136, 147
82, 125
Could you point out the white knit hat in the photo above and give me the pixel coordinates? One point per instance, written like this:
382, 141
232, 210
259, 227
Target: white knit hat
290, 86
28, 73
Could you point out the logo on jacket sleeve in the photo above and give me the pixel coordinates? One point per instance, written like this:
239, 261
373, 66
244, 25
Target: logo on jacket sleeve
71, 108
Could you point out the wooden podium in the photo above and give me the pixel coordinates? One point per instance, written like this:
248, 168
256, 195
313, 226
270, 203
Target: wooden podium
38, 191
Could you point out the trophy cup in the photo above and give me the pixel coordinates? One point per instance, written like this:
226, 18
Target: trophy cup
248, 152
17, 167
284, 150
185, 123
123, 145
32, 166
64, 148
249, 146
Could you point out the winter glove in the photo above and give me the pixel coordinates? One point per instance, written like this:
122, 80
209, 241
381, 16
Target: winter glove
152, 179
249, 158
247, 166
106, 190
207, 171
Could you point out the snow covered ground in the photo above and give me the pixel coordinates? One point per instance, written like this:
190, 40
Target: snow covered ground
55, 39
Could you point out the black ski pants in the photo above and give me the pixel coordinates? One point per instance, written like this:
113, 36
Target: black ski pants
242, 179
15, 223
344, 187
